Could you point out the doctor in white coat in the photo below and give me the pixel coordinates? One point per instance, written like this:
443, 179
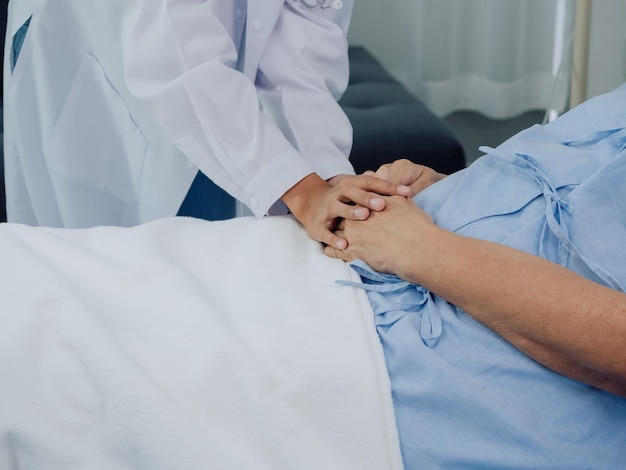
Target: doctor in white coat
112, 107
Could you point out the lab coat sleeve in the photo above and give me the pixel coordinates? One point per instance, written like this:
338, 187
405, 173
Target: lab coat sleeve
303, 72
178, 65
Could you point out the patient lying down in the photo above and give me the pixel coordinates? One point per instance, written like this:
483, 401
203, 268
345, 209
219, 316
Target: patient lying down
497, 341
522, 274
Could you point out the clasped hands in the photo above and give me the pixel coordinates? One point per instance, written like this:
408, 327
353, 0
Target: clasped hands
362, 216
383, 238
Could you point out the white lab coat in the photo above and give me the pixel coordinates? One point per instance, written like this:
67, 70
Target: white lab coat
114, 105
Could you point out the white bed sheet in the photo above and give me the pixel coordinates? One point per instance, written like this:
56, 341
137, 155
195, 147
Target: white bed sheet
189, 345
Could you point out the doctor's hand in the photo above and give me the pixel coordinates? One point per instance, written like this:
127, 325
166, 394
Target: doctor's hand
405, 172
320, 205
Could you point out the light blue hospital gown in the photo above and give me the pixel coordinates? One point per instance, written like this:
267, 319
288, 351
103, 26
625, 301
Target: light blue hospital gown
464, 397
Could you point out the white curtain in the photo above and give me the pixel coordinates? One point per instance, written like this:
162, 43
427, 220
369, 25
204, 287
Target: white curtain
498, 57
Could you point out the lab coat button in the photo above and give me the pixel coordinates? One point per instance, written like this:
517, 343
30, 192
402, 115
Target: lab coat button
257, 25
254, 204
337, 4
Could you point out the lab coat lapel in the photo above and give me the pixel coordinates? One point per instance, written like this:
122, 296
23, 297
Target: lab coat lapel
261, 19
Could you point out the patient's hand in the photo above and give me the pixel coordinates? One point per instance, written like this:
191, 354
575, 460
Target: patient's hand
405, 172
320, 205
387, 239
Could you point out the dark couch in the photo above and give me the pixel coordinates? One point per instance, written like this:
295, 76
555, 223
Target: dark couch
390, 123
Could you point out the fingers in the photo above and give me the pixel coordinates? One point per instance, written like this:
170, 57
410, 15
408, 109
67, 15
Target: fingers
330, 235
406, 173
334, 242
383, 172
401, 171
355, 197
333, 250
366, 190
320, 205
335, 180
335, 253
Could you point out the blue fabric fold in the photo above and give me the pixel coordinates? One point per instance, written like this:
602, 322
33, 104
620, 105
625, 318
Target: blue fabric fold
555, 206
392, 298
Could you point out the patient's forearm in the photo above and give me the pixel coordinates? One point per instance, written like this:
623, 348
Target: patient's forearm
564, 321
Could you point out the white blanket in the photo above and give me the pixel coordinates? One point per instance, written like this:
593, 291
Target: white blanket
184, 344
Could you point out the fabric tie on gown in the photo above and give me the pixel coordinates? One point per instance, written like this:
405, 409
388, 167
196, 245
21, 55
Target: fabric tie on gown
555, 243
392, 298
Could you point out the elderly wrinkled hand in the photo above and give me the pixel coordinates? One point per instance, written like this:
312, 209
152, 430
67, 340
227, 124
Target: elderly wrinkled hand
405, 172
384, 239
